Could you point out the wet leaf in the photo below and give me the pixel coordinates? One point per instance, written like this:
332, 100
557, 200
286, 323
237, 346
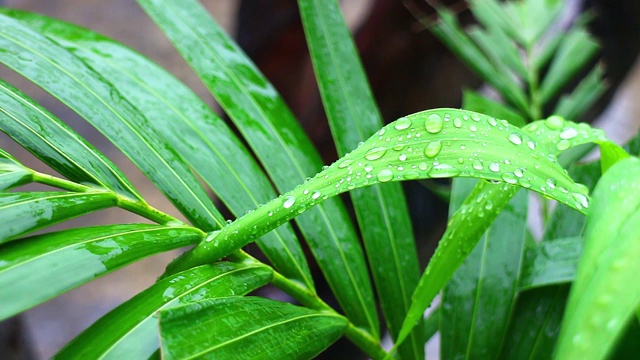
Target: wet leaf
12, 173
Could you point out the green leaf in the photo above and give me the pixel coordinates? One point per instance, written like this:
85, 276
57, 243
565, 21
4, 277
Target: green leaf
12, 173
381, 210
551, 262
535, 324
431, 324
573, 53
27, 212
279, 142
39, 268
499, 48
611, 153
180, 115
261, 329
56, 144
473, 101
478, 300
535, 17
131, 330
78, 86
491, 15
590, 89
604, 296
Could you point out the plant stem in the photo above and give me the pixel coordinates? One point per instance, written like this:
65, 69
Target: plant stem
135, 206
360, 337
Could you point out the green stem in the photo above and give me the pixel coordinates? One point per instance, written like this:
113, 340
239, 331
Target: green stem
361, 338
135, 206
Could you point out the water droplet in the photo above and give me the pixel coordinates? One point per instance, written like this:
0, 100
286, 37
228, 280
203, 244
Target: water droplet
402, 157
515, 138
368, 168
568, 133
375, 153
554, 122
581, 201
460, 160
382, 131
477, 165
473, 128
495, 167
306, 191
288, 202
488, 205
399, 147
345, 163
442, 171
434, 123
518, 172
551, 182
410, 175
422, 166
402, 123
457, 122
433, 148
493, 121
509, 178
531, 145
525, 183
270, 213
475, 117
563, 145
229, 221
385, 175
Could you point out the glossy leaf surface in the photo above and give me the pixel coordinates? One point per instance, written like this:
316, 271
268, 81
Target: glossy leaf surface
131, 330
381, 210
29, 211
190, 126
475, 102
56, 144
247, 327
75, 84
551, 262
279, 142
39, 268
12, 173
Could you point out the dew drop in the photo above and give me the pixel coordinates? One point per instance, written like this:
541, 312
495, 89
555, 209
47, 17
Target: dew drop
345, 163
442, 171
509, 178
382, 131
410, 175
495, 167
368, 168
563, 145
493, 121
422, 166
525, 183
306, 191
473, 128
554, 122
402, 123
399, 147
515, 138
433, 148
477, 165
385, 175
402, 157
460, 160
551, 182
531, 145
489, 205
475, 117
518, 172
457, 122
568, 133
580, 200
375, 153
288, 202
434, 123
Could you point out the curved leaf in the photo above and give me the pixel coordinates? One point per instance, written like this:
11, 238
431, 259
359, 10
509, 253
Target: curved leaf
180, 114
12, 173
260, 329
131, 330
56, 144
551, 262
381, 210
25, 212
39, 268
277, 140
605, 294
75, 84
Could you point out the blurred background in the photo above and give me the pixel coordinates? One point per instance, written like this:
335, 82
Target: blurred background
408, 69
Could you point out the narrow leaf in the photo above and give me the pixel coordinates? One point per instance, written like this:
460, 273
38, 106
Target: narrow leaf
551, 262
499, 48
131, 330
75, 84
12, 173
473, 101
279, 142
57, 145
180, 114
590, 89
26, 212
261, 329
381, 209
39, 268
605, 295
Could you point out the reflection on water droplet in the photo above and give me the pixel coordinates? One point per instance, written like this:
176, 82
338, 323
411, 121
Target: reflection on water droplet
473, 128
288, 202
518, 173
368, 168
402, 157
385, 175
402, 123
525, 183
568, 133
477, 165
316, 194
581, 201
493, 121
515, 138
489, 205
434, 123
443, 171
551, 182
457, 122
563, 145
531, 145
460, 160
345, 163
375, 153
422, 166
409, 175
554, 122
495, 167
509, 178
433, 148
475, 117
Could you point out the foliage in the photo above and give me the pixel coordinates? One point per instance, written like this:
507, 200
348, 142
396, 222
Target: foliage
493, 273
